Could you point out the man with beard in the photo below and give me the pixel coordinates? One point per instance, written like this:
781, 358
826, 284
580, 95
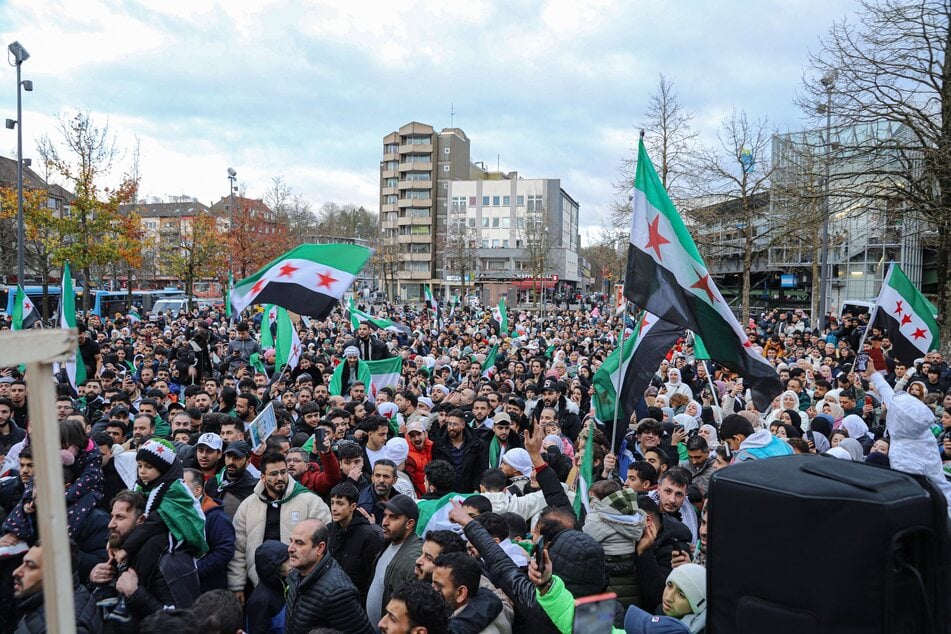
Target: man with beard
233, 484
552, 397
321, 396
146, 595
207, 454
203, 402
396, 563
370, 348
276, 507
28, 592
501, 439
10, 434
354, 542
246, 407
437, 542
459, 446
19, 399
379, 491
143, 428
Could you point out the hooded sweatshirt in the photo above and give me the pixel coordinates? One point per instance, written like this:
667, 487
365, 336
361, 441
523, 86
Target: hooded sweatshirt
266, 603
761, 444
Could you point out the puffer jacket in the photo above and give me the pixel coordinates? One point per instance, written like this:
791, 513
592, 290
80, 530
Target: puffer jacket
88, 619
579, 559
502, 571
249, 523
481, 615
219, 533
617, 525
326, 597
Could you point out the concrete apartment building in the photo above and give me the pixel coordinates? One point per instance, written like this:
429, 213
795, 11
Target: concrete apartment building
431, 193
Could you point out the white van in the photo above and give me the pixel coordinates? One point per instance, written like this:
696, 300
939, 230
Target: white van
174, 304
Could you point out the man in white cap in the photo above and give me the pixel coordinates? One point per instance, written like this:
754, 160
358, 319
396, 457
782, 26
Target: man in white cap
517, 466
397, 449
501, 439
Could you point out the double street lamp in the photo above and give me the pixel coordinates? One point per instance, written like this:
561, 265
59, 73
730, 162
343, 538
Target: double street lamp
19, 55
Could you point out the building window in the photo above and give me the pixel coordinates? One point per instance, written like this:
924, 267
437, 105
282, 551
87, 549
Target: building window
417, 194
391, 148
496, 244
534, 203
496, 200
417, 267
495, 223
417, 176
471, 223
520, 201
485, 201
416, 212
485, 222
391, 165
390, 199
472, 201
506, 201
420, 230
505, 244
518, 244
416, 140
485, 244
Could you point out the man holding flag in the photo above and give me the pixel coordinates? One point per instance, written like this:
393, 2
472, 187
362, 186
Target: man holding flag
25, 314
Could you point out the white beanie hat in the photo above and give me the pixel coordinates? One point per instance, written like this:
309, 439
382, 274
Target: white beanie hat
692, 581
518, 459
397, 449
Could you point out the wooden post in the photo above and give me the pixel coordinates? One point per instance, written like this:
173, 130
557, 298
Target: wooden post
38, 349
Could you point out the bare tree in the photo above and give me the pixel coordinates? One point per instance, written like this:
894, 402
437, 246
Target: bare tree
607, 255
886, 75
735, 172
670, 142
537, 241
460, 250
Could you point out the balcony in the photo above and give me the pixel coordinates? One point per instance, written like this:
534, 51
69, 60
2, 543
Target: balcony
389, 174
391, 156
412, 275
418, 257
416, 167
424, 238
390, 190
411, 148
416, 184
415, 202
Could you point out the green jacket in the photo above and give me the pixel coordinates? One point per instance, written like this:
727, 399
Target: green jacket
559, 605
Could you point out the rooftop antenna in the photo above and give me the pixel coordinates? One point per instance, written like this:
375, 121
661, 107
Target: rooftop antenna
498, 162
452, 114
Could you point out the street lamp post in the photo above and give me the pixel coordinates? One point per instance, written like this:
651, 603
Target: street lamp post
20, 55
232, 176
828, 81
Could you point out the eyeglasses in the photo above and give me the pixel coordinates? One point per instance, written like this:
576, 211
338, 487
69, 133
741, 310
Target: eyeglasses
275, 474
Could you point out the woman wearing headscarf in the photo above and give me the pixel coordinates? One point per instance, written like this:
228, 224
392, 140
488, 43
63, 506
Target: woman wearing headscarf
854, 447
858, 430
819, 431
709, 433
675, 386
789, 400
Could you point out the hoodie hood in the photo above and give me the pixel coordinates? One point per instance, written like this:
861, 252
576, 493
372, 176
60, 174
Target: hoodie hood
268, 559
759, 439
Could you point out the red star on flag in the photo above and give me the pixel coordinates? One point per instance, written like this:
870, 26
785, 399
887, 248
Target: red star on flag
906, 320
258, 286
654, 239
287, 269
160, 449
919, 333
27, 307
295, 350
898, 307
325, 279
644, 323
704, 284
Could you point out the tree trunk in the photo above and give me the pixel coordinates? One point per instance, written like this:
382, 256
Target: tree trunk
817, 319
86, 288
747, 263
944, 285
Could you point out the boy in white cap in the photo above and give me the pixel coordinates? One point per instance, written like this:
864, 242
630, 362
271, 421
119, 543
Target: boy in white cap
397, 449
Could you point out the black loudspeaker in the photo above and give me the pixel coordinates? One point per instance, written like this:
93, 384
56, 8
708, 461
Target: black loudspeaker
808, 544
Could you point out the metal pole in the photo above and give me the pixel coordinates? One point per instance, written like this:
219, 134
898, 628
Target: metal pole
620, 377
824, 268
231, 178
713, 392
20, 231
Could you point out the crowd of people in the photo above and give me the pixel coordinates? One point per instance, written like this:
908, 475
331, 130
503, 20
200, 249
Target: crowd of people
443, 503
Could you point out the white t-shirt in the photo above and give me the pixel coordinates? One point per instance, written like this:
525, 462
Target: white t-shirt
376, 455
375, 594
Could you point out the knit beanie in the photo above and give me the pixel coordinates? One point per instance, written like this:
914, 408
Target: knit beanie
157, 452
518, 459
692, 581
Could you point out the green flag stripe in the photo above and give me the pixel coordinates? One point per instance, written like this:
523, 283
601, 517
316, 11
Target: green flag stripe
919, 304
348, 258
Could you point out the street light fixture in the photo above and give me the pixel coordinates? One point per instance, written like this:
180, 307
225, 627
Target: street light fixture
232, 176
828, 81
19, 55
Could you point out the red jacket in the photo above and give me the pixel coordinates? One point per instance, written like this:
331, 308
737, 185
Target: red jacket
416, 461
319, 480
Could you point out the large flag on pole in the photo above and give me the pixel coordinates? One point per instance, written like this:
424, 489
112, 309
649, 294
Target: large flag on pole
433, 305
24, 311
287, 346
358, 317
667, 276
75, 368
631, 368
488, 366
308, 280
268, 322
501, 315
905, 316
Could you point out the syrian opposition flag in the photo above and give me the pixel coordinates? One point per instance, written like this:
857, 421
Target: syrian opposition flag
905, 316
585, 474
287, 346
308, 280
25, 313
228, 312
501, 315
268, 323
434, 514
433, 304
667, 276
384, 373
488, 366
75, 368
134, 316
629, 369
358, 317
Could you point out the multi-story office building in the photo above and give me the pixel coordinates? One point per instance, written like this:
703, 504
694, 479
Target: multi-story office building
437, 207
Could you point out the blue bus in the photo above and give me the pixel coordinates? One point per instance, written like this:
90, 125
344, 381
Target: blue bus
35, 293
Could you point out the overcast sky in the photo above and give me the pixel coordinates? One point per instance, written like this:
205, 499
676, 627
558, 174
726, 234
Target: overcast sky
307, 91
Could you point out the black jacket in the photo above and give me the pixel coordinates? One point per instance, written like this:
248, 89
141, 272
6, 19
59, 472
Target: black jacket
478, 614
475, 459
88, 619
570, 422
91, 538
355, 548
326, 597
371, 348
230, 494
653, 565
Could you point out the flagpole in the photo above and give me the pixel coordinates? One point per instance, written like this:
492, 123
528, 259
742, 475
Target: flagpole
872, 313
713, 392
620, 378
